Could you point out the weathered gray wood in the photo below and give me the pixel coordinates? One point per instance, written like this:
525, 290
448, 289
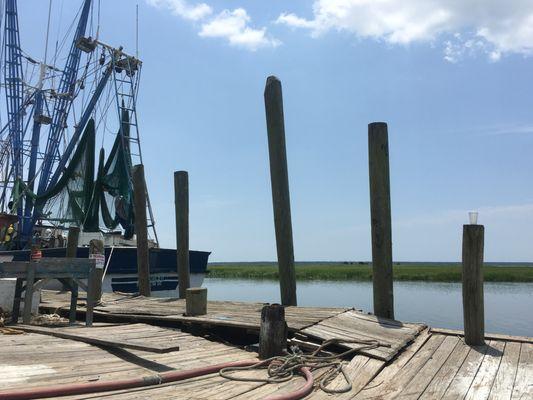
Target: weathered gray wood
181, 193
72, 241
273, 331
280, 189
16, 300
101, 338
380, 214
473, 308
90, 296
196, 301
73, 301
28, 293
141, 229
96, 247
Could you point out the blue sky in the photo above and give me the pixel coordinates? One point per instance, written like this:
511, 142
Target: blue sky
452, 79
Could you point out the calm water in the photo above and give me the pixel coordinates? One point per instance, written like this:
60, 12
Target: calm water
508, 306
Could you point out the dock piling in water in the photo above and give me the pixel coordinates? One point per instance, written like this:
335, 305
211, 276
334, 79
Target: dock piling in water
141, 229
473, 305
280, 189
181, 203
380, 214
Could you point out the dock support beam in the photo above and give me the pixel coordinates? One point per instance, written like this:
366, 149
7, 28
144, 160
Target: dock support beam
273, 331
96, 247
380, 213
72, 241
181, 203
141, 229
280, 189
473, 307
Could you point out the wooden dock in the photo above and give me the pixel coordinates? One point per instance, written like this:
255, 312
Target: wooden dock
412, 361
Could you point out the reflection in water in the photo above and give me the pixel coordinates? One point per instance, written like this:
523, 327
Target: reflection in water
508, 306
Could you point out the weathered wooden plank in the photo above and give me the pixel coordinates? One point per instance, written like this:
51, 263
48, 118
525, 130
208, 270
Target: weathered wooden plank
445, 375
101, 339
523, 384
504, 381
488, 336
482, 383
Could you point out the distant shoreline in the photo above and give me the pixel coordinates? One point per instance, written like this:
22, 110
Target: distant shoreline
362, 271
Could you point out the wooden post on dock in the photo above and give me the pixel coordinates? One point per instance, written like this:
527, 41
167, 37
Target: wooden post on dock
96, 251
273, 331
72, 241
141, 229
280, 189
181, 203
380, 213
473, 307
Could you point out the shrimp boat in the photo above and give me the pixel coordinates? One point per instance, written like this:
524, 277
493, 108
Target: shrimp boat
50, 176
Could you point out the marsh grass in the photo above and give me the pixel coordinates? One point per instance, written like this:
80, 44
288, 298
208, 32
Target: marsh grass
362, 271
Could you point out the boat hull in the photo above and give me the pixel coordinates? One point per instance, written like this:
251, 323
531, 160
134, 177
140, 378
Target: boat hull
121, 268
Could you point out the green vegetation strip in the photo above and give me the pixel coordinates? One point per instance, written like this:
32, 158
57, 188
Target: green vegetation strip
331, 271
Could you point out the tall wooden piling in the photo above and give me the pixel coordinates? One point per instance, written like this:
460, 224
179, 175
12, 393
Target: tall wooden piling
380, 212
141, 229
280, 189
72, 241
473, 307
181, 203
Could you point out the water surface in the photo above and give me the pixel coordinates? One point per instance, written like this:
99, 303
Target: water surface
508, 306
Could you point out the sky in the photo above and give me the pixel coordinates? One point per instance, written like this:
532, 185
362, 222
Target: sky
453, 80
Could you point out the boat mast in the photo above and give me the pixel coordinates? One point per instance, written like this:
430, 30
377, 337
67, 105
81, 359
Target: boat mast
64, 101
14, 91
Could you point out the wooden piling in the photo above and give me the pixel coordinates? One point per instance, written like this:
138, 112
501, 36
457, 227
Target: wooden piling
96, 248
280, 189
181, 203
473, 307
380, 212
273, 331
141, 229
195, 301
72, 241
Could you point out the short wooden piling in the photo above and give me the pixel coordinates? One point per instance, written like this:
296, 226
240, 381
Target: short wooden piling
141, 229
72, 241
181, 203
380, 212
96, 251
273, 331
195, 301
280, 189
473, 307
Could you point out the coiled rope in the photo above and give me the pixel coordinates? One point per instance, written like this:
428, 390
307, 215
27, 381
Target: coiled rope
283, 368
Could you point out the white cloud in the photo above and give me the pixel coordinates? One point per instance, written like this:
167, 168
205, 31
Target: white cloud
183, 9
496, 27
234, 26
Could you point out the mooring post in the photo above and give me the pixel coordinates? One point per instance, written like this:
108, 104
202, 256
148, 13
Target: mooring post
380, 214
280, 189
141, 229
272, 332
196, 301
96, 251
72, 241
181, 203
473, 307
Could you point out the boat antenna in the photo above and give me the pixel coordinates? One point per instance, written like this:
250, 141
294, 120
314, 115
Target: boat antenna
98, 22
47, 32
137, 31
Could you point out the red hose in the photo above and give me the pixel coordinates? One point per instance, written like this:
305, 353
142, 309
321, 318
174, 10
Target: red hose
165, 377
